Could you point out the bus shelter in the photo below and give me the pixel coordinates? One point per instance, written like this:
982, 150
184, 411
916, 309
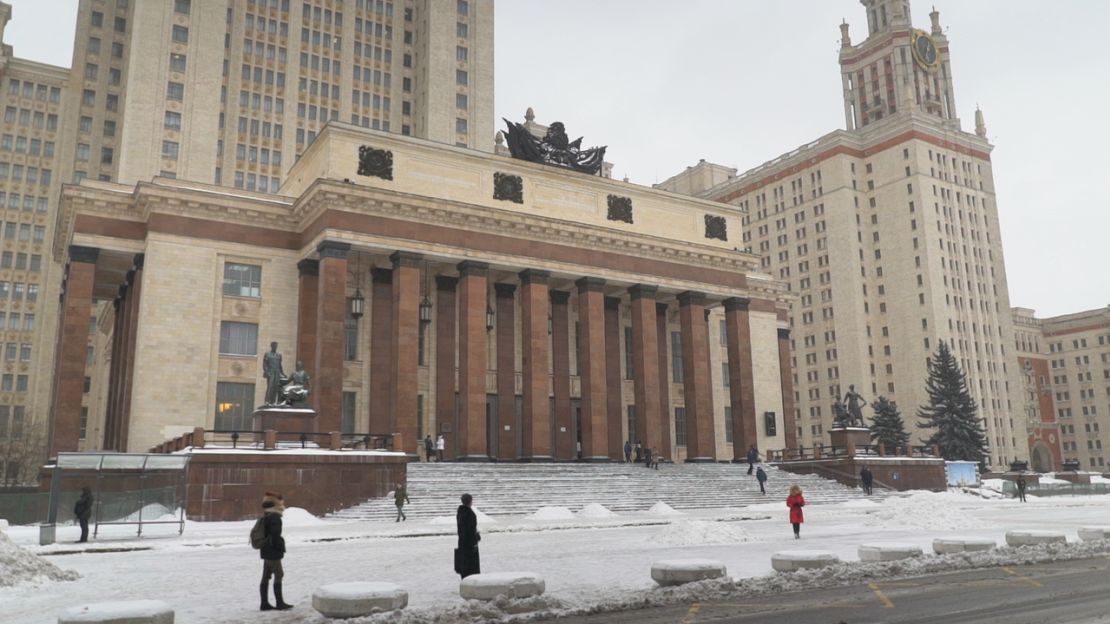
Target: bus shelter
137, 489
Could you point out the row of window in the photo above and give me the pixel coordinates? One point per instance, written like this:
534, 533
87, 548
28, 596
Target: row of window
29, 90
24, 231
11, 422
26, 203
13, 383
18, 291
29, 118
21, 261
17, 322
23, 145
31, 175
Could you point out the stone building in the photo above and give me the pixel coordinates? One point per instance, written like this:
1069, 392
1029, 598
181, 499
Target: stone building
888, 234
524, 311
1065, 364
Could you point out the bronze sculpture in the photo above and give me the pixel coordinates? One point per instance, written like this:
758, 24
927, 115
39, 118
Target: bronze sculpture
275, 377
555, 148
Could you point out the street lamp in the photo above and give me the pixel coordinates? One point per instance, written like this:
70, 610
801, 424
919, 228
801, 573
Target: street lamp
357, 304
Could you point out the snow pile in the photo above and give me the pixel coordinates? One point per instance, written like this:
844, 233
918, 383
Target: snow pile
299, 517
1099, 479
926, 510
3, 525
595, 510
153, 512
20, 566
482, 518
552, 513
862, 503
698, 533
663, 509
1047, 480
499, 609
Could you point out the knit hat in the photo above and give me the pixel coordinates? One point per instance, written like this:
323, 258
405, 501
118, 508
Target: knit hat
272, 500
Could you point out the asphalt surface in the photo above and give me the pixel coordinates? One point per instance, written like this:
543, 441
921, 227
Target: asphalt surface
1064, 592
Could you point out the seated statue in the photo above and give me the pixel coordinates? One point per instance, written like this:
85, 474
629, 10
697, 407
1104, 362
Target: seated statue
294, 390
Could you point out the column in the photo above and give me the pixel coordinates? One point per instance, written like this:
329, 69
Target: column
381, 351
308, 282
645, 365
111, 420
131, 334
536, 417
473, 287
65, 421
445, 362
614, 407
331, 311
406, 348
560, 374
666, 427
696, 380
506, 371
712, 401
591, 369
741, 377
787, 383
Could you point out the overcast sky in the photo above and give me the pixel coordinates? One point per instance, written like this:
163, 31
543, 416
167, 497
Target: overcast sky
666, 83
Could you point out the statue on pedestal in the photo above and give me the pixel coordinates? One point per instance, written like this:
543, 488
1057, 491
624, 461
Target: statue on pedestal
275, 377
840, 415
295, 392
855, 412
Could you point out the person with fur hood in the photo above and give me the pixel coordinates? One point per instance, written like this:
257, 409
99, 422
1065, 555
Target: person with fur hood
272, 552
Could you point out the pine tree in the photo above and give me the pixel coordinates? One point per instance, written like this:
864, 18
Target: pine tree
887, 426
951, 411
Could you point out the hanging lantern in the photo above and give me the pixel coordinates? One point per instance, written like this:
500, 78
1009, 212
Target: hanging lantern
489, 318
425, 310
356, 304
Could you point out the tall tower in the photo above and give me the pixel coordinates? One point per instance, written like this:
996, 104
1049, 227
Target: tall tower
897, 68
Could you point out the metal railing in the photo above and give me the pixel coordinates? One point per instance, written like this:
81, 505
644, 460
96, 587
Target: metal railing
270, 439
829, 451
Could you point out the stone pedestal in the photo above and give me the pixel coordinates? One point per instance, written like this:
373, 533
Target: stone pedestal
850, 437
288, 422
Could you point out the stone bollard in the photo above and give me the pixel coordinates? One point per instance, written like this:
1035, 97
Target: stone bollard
335, 440
882, 449
269, 439
121, 612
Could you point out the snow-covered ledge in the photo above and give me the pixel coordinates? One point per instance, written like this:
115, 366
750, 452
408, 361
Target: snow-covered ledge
1093, 533
1029, 538
888, 552
357, 599
679, 571
943, 546
791, 560
122, 612
510, 584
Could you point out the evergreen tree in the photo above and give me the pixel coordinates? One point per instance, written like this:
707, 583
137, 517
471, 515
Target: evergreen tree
951, 411
887, 426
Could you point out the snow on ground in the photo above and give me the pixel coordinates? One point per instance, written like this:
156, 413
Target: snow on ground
210, 573
595, 510
19, 566
552, 513
663, 509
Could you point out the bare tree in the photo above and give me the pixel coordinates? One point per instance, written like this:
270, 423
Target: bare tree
22, 450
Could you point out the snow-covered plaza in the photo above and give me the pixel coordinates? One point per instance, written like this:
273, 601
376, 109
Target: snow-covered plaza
590, 559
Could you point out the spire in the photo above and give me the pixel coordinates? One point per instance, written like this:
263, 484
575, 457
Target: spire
980, 123
845, 38
934, 16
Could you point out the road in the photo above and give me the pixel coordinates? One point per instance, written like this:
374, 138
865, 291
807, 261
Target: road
1065, 592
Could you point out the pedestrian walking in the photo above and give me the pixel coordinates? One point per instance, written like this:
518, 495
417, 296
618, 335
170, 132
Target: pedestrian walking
654, 458
1021, 487
271, 548
467, 561
867, 479
441, 445
761, 476
627, 451
400, 497
795, 502
753, 457
82, 511
429, 448
638, 452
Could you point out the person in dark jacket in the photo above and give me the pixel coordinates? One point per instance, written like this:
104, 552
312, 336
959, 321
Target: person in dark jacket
1021, 487
795, 502
272, 552
400, 497
429, 448
761, 476
647, 457
467, 561
753, 457
867, 479
627, 451
82, 510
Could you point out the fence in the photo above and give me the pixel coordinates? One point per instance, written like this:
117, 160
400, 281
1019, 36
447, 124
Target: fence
121, 506
828, 451
270, 440
1009, 488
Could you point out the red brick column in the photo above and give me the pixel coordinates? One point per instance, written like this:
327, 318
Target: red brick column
741, 377
645, 364
666, 426
560, 375
65, 419
308, 282
506, 371
696, 384
445, 361
381, 351
536, 417
131, 333
614, 406
473, 344
591, 369
786, 377
331, 311
406, 348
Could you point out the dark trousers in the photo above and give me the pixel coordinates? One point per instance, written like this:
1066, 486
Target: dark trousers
1021, 495
761, 488
400, 514
272, 567
84, 529
867, 488
439, 455
751, 466
797, 528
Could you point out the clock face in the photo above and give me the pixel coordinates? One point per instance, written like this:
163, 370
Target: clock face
924, 49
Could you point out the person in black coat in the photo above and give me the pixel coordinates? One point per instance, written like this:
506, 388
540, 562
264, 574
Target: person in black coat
467, 561
867, 479
753, 457
82, 510
761, 476
272, 552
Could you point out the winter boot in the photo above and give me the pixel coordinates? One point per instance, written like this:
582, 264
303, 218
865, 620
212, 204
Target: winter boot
280, 606
263, 592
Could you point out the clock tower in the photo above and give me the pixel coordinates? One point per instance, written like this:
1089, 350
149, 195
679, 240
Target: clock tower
897, 68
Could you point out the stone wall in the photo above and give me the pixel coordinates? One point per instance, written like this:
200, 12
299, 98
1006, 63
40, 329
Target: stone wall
890, 472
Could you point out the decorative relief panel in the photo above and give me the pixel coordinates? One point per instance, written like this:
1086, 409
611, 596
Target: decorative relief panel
375, 162
716, 227
620, 209
508, 187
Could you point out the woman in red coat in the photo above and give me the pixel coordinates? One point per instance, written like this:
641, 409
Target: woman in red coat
795, 502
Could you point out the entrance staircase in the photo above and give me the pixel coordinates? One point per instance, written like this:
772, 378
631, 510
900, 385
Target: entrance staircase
520, 489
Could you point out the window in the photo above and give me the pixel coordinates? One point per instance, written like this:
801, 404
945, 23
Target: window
680, 426
238, 338
242, 280
460, 126
91, 71
120, 24
725, 377
629, 359
234, 406
677, 375
24, 352
460, 29
109, 128
350, 338
172, 121
170, 149
347, 422
460, 77
728, 425
460, 101
175, 91
97, 19
181, 6
769, 423
180, 34
177, 63
94, 45
461, 53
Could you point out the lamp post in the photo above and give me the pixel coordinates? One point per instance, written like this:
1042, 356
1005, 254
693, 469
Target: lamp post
489, 318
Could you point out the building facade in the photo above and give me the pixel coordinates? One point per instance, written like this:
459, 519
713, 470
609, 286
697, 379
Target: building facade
888, 233
524, 311
1066, 364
